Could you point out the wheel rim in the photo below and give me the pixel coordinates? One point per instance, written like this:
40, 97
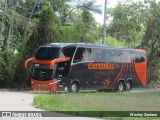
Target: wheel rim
128, 86
120, 87
74, 87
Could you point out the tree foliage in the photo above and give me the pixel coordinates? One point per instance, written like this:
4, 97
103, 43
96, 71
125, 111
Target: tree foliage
137, 24
27, 24
126, 23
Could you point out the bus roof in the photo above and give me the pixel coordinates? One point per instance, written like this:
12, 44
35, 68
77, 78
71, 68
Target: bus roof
86, 45
73, 44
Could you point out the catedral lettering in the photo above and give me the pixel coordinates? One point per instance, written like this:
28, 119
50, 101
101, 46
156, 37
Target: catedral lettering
100, 66
83, 66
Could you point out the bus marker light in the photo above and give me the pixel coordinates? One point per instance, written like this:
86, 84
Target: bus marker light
66, 88
36, 65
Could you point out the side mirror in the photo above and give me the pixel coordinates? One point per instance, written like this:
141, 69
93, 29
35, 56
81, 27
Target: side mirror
27, 61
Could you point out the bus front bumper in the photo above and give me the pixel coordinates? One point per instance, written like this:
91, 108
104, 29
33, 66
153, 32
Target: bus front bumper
49, 85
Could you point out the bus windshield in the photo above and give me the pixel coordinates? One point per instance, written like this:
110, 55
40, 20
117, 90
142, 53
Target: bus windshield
47, 53
42, 74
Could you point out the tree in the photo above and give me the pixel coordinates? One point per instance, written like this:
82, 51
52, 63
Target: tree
151, 39
139, 23
45, 32
81, 5
126, 24
27, 24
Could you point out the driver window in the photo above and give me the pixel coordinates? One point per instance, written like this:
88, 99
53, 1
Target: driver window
81, 55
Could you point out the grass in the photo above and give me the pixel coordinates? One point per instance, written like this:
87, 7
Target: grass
84, 103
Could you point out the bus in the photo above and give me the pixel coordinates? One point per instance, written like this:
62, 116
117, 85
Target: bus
85, 66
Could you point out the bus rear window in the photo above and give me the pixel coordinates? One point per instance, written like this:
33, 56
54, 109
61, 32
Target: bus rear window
47, 53
140, 57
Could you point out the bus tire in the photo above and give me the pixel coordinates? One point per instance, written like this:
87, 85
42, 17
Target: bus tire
128, 85
120, 87
74, 87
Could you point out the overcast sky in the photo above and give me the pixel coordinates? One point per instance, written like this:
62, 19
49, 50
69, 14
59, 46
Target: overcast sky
110, 3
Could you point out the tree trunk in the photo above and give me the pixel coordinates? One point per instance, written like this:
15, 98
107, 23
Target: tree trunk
1, 25
26, 29
10, 32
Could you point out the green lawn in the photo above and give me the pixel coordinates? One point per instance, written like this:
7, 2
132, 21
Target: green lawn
108, 101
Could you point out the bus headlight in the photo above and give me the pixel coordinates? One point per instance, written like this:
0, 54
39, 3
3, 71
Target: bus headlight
50, 83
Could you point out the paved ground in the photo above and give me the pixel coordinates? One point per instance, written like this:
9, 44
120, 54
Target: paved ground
145, 89
16, 101
22, 101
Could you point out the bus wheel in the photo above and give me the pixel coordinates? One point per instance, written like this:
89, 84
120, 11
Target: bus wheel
120, 87
74, 87
128, 86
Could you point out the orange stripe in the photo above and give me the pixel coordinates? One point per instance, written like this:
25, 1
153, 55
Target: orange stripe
125, 64
136, 74
140, 50
126, 70
131, 68
120, 73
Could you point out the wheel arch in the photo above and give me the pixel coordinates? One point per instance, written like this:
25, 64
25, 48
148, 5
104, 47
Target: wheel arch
77, 83
121, 80
76, 80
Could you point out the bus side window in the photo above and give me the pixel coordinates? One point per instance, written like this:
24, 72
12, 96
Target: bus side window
109, 56
103, 55
96, 55
62, 69
89, 53
80, 55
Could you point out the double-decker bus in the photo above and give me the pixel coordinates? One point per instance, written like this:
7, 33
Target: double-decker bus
84, 66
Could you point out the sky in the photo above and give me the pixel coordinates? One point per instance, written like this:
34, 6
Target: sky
110, 4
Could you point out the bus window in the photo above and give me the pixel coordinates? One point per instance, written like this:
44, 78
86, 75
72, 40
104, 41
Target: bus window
81, 55
140, 57
62, 69
109, 56
69, 51
95, 55
47, 53
42, 74
126, 56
